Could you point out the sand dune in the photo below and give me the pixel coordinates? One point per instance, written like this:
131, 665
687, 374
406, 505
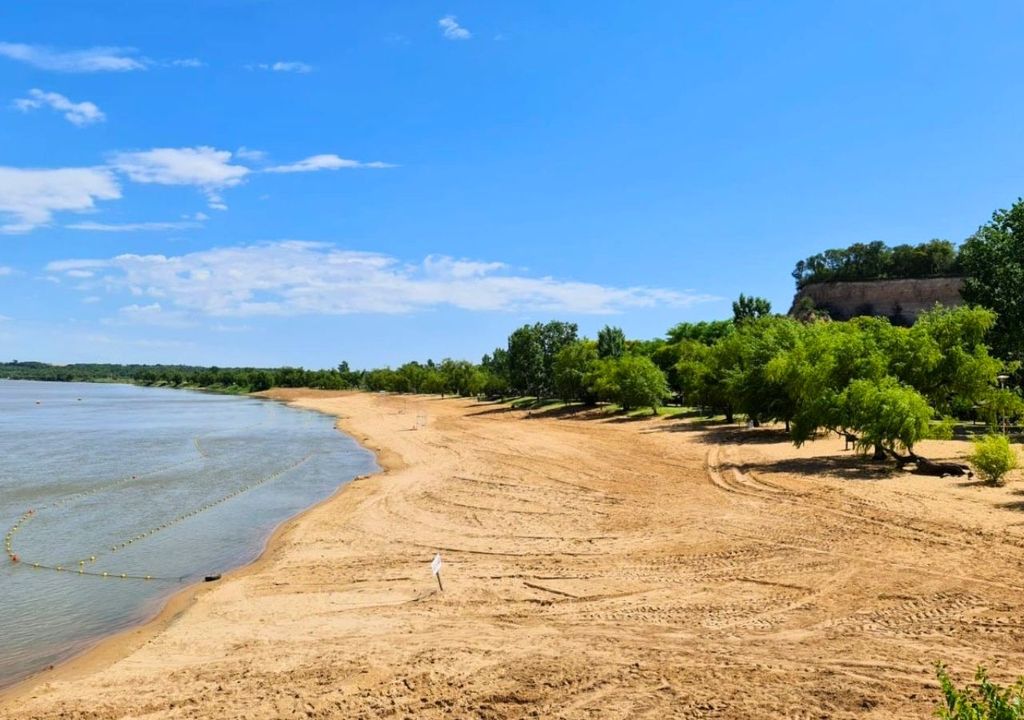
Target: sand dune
593, 568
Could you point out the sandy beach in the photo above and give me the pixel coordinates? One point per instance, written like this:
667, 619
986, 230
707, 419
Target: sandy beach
593, 567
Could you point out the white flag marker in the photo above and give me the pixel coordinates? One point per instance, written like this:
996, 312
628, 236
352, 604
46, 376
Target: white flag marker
435, 567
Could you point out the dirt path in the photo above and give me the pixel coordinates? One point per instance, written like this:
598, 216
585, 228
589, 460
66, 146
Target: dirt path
593, 568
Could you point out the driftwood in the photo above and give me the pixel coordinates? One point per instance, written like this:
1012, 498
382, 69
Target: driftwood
942, 469
924, 466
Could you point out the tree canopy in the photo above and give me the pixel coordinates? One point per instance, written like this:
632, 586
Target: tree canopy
993, 260
878, 261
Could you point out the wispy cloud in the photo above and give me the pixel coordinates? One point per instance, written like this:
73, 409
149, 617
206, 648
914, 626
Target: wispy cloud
29, 197
96, 59
207, 168
292, 278
285, 66
186, 63
325, 162
250, 154
452, 30
80, 113
151, 314
4, 270
134, 227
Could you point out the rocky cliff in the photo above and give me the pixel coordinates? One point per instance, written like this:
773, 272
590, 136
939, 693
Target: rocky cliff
899, 300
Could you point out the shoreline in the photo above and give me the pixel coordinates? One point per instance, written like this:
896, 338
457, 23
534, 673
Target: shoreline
108, 649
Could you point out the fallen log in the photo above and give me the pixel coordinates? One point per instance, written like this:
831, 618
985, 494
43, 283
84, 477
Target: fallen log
924, 466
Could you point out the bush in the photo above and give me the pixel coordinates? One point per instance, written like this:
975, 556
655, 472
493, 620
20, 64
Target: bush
984, 701
993, 458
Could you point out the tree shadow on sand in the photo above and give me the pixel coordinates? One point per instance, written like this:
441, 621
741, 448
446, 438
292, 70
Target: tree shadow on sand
847, 467
1017, 505
723, 432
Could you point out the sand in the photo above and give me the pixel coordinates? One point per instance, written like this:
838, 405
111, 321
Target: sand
593, 567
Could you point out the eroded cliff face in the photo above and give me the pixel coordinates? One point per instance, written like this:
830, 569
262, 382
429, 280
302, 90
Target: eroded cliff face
899, 300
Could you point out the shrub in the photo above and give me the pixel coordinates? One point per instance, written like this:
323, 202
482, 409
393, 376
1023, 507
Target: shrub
984, 701
993, 458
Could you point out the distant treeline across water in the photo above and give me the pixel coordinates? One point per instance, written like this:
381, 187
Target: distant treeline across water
239, 380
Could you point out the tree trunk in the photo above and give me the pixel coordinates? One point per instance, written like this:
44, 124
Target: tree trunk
879, 453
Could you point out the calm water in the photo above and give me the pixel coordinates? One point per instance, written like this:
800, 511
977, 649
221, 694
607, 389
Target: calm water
197, 483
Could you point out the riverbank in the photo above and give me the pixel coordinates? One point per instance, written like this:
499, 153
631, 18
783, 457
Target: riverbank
593, 566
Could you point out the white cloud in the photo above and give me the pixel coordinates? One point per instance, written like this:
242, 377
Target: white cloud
244, 153
452, 30
187, 63
325, 162
294, 278
97, 59
80, 114
291, 66
204, 167
29, 197
135, 227
4, 270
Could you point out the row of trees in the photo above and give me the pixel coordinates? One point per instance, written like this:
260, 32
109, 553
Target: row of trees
878, 261
228, 379
886, 385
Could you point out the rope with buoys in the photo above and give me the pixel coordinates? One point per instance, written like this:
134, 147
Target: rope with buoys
203, 455
81, 570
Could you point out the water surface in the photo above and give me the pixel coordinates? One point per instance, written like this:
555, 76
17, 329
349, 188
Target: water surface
169, 484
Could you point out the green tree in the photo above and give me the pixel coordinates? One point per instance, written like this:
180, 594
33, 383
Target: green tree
750, 308
885, 414
531, 355
611, 342
526, 361
460, 377
743, 368
639, 383
944, 356
993, 260
573, 363
554, 336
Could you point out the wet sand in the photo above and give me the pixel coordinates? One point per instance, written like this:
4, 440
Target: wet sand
594, 567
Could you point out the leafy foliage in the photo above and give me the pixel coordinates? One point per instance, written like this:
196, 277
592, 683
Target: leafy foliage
984, 701
750, 308
993, 458
993, 260
531, 356
638, 382
611, 342
885, 413
877, 261
573, 365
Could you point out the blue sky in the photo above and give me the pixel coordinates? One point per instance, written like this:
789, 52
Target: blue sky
267, 183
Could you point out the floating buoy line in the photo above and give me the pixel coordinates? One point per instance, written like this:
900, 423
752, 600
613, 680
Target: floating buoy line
82, 565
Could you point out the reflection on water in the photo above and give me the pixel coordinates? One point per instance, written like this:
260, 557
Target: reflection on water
150, 482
